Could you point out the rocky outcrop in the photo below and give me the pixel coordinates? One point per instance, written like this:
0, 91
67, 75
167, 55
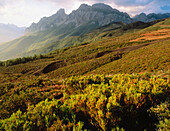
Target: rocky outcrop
150, 17
141, 17
48, 22
100, 14
97, 14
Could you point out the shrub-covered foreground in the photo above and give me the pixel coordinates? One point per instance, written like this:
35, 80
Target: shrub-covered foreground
118, 102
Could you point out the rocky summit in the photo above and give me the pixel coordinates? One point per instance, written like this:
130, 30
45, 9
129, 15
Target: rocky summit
150, 17
97, 14
64, 30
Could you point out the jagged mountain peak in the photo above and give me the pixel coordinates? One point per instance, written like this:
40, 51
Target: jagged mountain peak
142, 14
141, 17
84, 7
150, 17
98, 14
61, 11
99, 6
102, 6
48, 22
59, 16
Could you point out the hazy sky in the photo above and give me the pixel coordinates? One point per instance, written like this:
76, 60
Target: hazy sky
24, 12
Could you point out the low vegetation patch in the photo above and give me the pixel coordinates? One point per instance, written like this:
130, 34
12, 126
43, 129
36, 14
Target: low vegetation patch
154, 35
118, 102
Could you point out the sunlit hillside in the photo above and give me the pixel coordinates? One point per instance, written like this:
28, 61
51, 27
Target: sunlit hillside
115, 77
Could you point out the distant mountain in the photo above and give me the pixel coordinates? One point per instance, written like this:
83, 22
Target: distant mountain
48, 22
150, 17
50, 31
61, 30
96, 15
9, 32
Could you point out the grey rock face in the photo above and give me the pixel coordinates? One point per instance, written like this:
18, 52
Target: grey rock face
141, 17
48, 22
97, 14
100, 14
150, 17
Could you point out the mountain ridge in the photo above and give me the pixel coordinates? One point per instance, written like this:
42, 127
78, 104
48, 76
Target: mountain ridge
61, 30
150, 17
78, 17
100, 14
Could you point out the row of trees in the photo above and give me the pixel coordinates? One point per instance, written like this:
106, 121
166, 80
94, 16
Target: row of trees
20, 60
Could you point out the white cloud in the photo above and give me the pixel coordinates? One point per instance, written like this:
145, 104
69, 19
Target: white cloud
24, 12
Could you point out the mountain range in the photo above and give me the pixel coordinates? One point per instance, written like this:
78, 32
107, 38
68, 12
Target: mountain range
96, 15
62, 30
150, 17
10, 32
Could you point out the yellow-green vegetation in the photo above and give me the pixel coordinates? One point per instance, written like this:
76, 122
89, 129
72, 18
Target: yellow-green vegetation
152, 58
111, 81
60, 37
124, 102
104, 50
19, 92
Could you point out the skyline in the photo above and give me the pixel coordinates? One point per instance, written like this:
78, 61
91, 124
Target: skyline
25, 12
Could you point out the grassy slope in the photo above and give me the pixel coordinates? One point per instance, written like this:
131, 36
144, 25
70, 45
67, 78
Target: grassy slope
151, 58
46, 41
63, 36
99, 102
30, 42
105, 55
75, 37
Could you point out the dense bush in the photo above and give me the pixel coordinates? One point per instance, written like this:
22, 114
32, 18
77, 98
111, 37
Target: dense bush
46, 115
162, 112
27, 92
123, 100
118, 102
